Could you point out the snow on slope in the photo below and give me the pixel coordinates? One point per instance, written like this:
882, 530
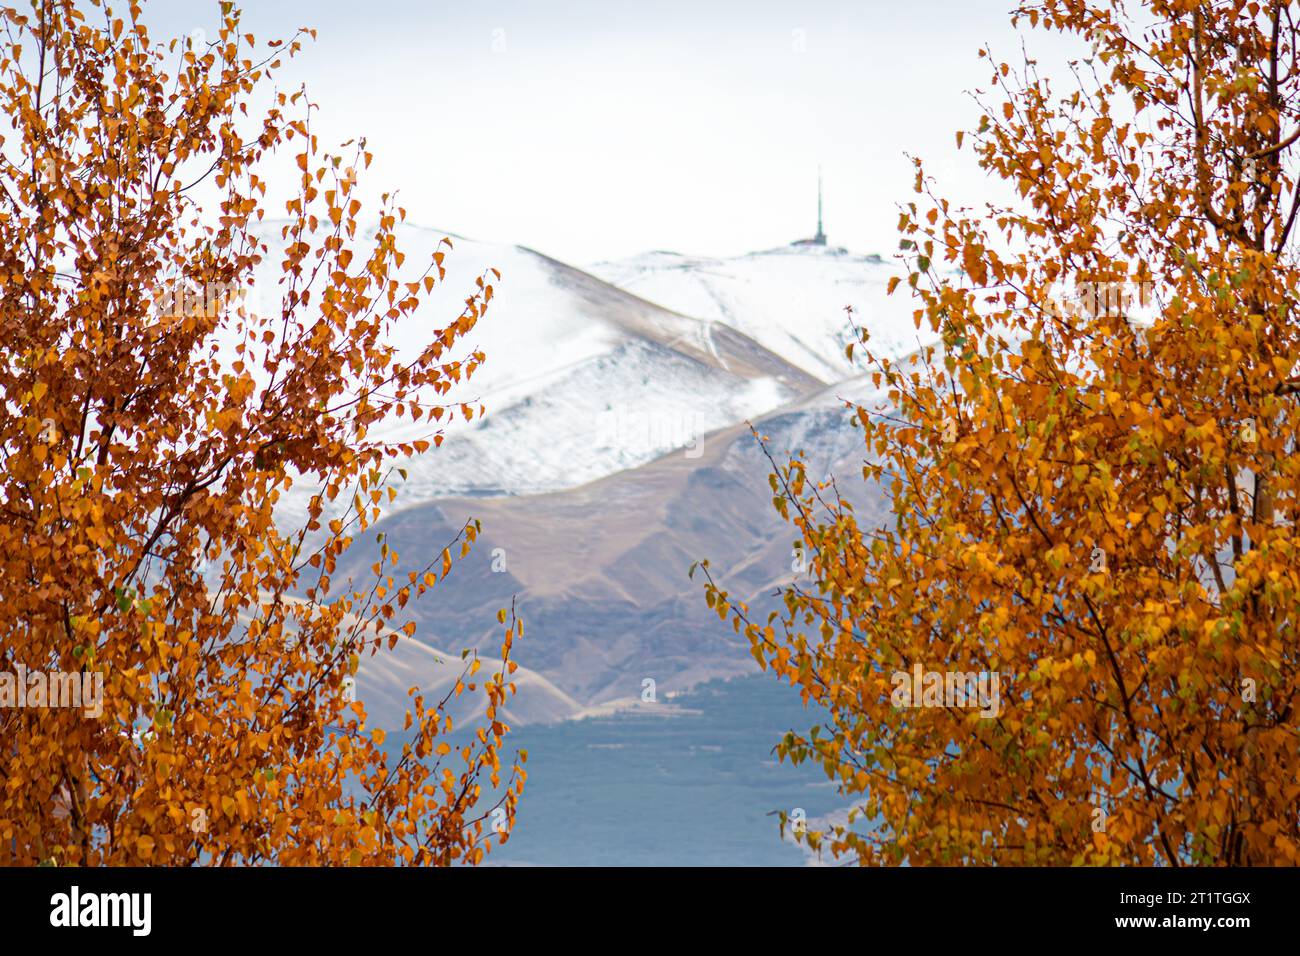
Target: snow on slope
581, 379
790, 300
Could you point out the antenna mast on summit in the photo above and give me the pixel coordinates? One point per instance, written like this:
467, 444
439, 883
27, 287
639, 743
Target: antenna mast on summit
820, 238
819, 202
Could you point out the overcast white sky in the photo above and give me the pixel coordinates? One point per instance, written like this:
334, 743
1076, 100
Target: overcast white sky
594, 129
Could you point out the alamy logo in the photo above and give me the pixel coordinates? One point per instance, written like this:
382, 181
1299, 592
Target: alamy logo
179, 299
102, 909
36, 689
922, 688
637, 430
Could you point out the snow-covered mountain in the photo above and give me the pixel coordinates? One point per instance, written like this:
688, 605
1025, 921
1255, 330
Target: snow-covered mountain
615, 452
589, 375
581, 379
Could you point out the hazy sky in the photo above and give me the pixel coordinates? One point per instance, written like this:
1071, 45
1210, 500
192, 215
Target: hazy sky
593, 129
